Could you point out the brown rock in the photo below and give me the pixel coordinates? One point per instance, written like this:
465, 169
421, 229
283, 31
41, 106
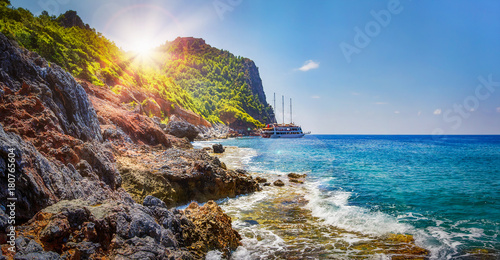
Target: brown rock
178, 176
260, 179
212, 229
279, 183
293, 175
297, 181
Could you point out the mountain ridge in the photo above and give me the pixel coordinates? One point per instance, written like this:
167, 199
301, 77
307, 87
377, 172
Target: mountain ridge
69, 42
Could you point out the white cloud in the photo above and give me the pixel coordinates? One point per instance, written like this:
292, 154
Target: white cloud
355, 94
396, 112
315, 97
437, 111
419, 113
498, 109
380, 103
309, 65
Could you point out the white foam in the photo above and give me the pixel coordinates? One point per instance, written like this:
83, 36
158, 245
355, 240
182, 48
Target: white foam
214, 255
333, 207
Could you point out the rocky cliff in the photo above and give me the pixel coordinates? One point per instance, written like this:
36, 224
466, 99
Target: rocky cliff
71, 141
225, 87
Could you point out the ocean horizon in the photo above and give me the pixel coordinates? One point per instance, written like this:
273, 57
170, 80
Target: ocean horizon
444, 192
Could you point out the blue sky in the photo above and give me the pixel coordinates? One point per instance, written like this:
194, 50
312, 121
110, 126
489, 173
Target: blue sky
432, 67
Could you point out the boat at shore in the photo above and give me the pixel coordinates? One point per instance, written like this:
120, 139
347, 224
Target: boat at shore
282, 131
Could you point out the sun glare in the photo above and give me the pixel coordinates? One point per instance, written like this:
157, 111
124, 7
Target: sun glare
143, 52
142, 48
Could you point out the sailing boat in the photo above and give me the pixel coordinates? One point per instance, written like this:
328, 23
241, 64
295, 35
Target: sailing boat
282, 130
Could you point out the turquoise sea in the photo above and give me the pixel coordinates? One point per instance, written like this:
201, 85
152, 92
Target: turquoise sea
444, 191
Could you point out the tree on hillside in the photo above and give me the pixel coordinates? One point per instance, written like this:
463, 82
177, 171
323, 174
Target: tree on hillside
4, 3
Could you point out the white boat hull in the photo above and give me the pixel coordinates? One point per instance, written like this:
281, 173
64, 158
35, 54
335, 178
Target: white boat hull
288, 136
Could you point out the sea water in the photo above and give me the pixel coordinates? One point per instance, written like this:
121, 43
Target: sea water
443, 191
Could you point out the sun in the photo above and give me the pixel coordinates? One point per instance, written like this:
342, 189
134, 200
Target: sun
142, 48
143, 52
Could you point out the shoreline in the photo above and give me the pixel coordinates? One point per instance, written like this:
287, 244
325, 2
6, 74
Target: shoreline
279, 222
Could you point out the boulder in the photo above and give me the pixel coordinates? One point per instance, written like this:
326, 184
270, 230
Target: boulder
218, 148
182, 129
261, 180
213, 229
279, 183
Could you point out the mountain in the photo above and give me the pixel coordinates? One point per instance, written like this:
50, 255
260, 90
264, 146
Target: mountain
194, 81
88, 171
226, 88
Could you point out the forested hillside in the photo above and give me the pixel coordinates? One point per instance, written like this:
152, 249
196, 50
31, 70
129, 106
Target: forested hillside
224, 86
213, 83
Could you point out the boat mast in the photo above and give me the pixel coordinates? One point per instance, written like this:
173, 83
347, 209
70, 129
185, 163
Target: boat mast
291, 121
274, 108
283, 105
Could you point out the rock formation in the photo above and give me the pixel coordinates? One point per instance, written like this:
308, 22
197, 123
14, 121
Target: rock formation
218, 148
68, 137
49, 122
181, 129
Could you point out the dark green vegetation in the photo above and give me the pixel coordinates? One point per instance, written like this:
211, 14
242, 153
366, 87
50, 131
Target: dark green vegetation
224, 86
213, 83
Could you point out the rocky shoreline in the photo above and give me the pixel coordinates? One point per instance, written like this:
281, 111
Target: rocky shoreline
89, 169
277, 223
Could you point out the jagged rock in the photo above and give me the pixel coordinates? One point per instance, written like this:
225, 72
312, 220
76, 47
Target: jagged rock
29, 249
76, 229
178, 176
49, 122
56, 89
279, 183
42, 182
212, 229
151, 201
182, 129
218, 148
70, 19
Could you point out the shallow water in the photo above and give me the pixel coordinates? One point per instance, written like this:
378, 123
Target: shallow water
362, 189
